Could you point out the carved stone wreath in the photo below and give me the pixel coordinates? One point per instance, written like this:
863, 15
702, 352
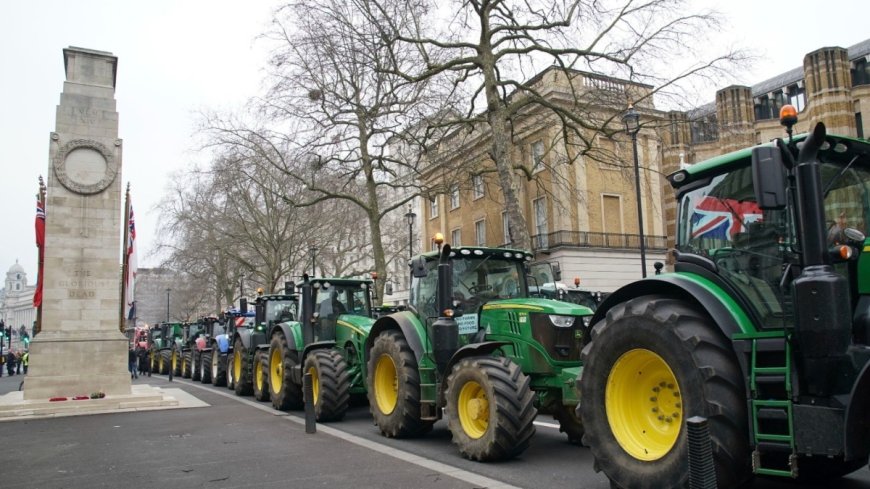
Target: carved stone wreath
68, 181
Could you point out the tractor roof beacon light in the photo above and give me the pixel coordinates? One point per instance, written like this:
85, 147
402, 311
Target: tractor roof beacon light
439, 240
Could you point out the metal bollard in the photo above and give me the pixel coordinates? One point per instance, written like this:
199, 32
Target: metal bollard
308, 390
171, 370
702, 471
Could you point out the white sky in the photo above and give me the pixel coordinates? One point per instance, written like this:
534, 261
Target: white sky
176, 57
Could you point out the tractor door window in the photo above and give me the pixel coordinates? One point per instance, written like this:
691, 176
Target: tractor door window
329, 302
359, 304
423, 292
847, 200
723, 222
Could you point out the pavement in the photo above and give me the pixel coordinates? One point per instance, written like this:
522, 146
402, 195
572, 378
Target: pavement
228, 442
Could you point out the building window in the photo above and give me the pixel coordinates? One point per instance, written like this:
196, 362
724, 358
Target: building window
480, 232
477, 184
860, 72
537, 156
506, 229
762, 108
17, 276
611, 211
17, 286
859, 125
433, 207
797, 97
540, 206
704, 129
456, 237
454, 198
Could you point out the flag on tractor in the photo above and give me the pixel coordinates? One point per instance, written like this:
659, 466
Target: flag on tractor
132, 265
40, 244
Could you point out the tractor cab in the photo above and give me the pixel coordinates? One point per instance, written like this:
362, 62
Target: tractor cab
339, 302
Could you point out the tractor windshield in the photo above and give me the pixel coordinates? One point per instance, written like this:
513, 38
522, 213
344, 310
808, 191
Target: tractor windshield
477, 279
280, 311
335, 300
722, 221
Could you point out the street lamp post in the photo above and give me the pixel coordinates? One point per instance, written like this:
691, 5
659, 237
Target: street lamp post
167, 304
410, 216
631, 119
313, 250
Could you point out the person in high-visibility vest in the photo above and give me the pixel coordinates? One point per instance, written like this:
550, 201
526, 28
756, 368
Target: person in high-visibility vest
25, 360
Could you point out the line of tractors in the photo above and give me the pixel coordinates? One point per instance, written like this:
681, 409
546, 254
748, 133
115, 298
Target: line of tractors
762, 328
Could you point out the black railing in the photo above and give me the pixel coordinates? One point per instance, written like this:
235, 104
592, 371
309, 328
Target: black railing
587, 239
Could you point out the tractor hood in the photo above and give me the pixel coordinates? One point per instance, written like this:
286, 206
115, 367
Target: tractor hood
358, 324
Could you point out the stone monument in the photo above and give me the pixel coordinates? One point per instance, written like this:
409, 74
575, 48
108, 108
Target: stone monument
80, 349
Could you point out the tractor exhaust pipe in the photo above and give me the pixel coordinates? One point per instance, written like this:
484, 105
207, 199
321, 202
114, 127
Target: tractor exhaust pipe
823, 324
306, 301
445, 331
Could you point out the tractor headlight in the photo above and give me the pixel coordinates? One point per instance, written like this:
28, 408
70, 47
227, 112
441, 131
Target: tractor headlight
561, 321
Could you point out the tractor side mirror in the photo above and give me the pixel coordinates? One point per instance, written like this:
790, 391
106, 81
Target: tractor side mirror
768, 177
557, 271
418, 267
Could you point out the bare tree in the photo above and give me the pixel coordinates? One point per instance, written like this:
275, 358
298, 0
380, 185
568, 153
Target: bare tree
334, 111
490, 49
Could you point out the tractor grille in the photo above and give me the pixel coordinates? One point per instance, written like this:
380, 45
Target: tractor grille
562, 344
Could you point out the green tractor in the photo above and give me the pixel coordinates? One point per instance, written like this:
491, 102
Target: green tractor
196, 337
762, 328
175, 335
155, 345
474, 345
166, 339
327, 342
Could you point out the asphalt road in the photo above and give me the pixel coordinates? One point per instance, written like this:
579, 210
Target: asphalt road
238, 442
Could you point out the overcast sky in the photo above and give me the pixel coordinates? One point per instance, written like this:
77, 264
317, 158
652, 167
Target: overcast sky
176, 57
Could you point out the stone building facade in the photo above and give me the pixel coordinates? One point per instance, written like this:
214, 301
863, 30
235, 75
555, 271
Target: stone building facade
580, 210
16, 299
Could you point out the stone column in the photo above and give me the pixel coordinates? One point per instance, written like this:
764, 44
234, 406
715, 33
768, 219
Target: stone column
81, 349
828, 92
736, 115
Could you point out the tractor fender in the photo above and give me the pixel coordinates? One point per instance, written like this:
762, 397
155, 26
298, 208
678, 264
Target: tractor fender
704, 294
245, 336
320, 345
857, 428
288, 333
412, 329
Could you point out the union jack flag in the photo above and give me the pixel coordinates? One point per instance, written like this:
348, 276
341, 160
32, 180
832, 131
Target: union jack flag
717, 218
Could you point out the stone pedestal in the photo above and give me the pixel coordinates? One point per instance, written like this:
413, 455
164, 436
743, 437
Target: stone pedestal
80, 349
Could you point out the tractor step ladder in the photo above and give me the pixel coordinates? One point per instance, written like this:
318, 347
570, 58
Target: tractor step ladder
772, 415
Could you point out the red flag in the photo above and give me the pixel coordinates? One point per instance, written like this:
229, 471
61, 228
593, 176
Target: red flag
132, 267
40, 243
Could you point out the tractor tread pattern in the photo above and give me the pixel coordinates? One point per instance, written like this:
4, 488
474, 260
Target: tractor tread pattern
290, 396
205, 368
723, 398
244, 384
261, 363
334, 388
511, 428
405, 420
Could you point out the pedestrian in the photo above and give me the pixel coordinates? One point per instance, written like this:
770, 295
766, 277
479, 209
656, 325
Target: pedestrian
10, 362
144, 365
18, 362
131, 363
25, 360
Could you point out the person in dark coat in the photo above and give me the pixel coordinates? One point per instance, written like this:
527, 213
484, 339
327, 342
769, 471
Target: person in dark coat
144, 365
10, 362
131, 361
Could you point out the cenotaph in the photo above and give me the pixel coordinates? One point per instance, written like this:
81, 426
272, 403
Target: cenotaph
80, 349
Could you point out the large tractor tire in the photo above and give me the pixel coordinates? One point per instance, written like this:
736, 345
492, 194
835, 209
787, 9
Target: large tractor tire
218, 367
242, 375
231, 379
164, 363
205, 367
652, 363
175, 362
154, 360
489, 408
330, 384
261, 376
393, 383
195, 365
185, 365
569, 423
285, 393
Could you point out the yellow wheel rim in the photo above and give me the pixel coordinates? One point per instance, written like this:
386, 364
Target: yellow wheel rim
174, 361
276, 370
160, 363
237, 365
315, 384
644, 405
260, 376
473, 409
386, 384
